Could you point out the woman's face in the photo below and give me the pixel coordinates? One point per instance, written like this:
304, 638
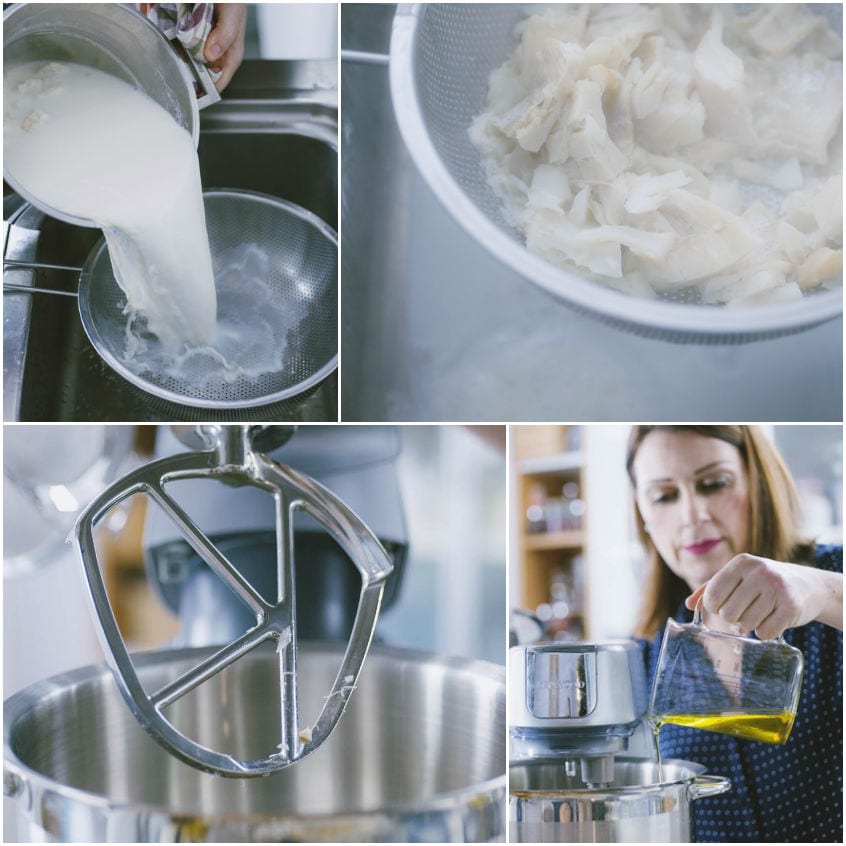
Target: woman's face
693, 494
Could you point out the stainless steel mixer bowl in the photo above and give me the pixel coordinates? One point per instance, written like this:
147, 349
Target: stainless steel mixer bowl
549, 804
420, 755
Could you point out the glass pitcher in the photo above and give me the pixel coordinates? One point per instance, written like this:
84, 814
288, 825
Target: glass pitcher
726, 683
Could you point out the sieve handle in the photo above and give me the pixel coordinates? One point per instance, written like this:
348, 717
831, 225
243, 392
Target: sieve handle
14, 264
365, 58
38, 265
28, 289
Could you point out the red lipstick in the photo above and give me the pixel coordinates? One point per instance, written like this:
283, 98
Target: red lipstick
703, 547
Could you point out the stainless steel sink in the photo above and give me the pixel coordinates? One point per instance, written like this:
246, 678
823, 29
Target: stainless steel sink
276, 132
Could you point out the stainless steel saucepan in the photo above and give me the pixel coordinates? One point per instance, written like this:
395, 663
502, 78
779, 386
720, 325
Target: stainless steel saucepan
642, 805
114, 38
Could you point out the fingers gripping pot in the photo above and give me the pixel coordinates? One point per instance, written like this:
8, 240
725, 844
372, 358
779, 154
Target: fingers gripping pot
229, 458
575, 712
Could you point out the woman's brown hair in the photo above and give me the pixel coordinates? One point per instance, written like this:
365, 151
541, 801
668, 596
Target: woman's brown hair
773, 516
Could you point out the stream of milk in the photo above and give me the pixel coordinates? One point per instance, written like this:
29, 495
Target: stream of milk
90, 145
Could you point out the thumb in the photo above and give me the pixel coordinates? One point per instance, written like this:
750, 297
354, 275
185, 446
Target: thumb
690, 602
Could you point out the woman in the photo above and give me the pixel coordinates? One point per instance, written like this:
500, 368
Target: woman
716, 510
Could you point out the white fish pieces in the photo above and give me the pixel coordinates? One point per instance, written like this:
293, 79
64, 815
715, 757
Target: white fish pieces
655, 148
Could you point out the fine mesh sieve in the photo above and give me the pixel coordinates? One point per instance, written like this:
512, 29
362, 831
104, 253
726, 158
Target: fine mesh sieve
276, 276
441, 58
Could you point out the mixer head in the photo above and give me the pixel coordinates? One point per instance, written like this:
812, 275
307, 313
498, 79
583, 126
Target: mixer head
576, 702
229, 457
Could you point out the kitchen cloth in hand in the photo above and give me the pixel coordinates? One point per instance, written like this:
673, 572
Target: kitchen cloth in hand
188, 23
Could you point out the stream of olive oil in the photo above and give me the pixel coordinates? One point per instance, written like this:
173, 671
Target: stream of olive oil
767, 728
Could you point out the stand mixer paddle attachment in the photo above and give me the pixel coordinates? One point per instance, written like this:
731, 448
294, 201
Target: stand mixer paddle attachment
228, 454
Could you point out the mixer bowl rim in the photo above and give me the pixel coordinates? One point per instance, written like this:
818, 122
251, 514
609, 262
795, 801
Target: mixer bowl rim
679, 321
85, 315
695, 769
19, 776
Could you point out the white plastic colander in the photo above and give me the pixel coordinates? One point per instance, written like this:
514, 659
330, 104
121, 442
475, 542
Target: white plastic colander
440, 62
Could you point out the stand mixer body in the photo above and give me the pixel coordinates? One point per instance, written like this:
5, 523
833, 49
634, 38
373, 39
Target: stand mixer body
578, 704
577, 716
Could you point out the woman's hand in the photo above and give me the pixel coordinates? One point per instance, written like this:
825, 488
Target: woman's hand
225, 45
768, 597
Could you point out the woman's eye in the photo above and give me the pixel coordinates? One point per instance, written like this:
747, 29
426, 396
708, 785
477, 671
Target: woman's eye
713, 485
663, 497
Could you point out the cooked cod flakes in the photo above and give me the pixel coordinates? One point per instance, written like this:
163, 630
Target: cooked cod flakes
670, 148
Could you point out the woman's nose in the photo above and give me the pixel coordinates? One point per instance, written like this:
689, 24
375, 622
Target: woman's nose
695, 508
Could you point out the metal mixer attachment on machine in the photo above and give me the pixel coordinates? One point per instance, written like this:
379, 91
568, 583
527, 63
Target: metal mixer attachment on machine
231, 454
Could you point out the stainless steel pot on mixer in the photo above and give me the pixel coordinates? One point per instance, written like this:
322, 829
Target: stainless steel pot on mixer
575, 711
639, 807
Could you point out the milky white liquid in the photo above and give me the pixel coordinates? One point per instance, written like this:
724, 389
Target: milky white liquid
90, 145
255, 318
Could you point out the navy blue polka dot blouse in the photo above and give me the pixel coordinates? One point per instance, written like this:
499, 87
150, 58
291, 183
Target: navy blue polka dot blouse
780, 793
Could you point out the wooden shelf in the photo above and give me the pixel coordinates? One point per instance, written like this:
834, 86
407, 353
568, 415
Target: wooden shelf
562, 462
571, 539
543, 467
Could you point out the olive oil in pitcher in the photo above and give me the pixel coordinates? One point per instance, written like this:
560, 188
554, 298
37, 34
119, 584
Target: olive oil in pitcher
767, 728
753, 696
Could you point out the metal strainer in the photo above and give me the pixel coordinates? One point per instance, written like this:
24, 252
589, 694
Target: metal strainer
293, 312
441, 58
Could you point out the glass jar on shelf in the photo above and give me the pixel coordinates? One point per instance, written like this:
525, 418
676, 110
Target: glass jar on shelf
536, 509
